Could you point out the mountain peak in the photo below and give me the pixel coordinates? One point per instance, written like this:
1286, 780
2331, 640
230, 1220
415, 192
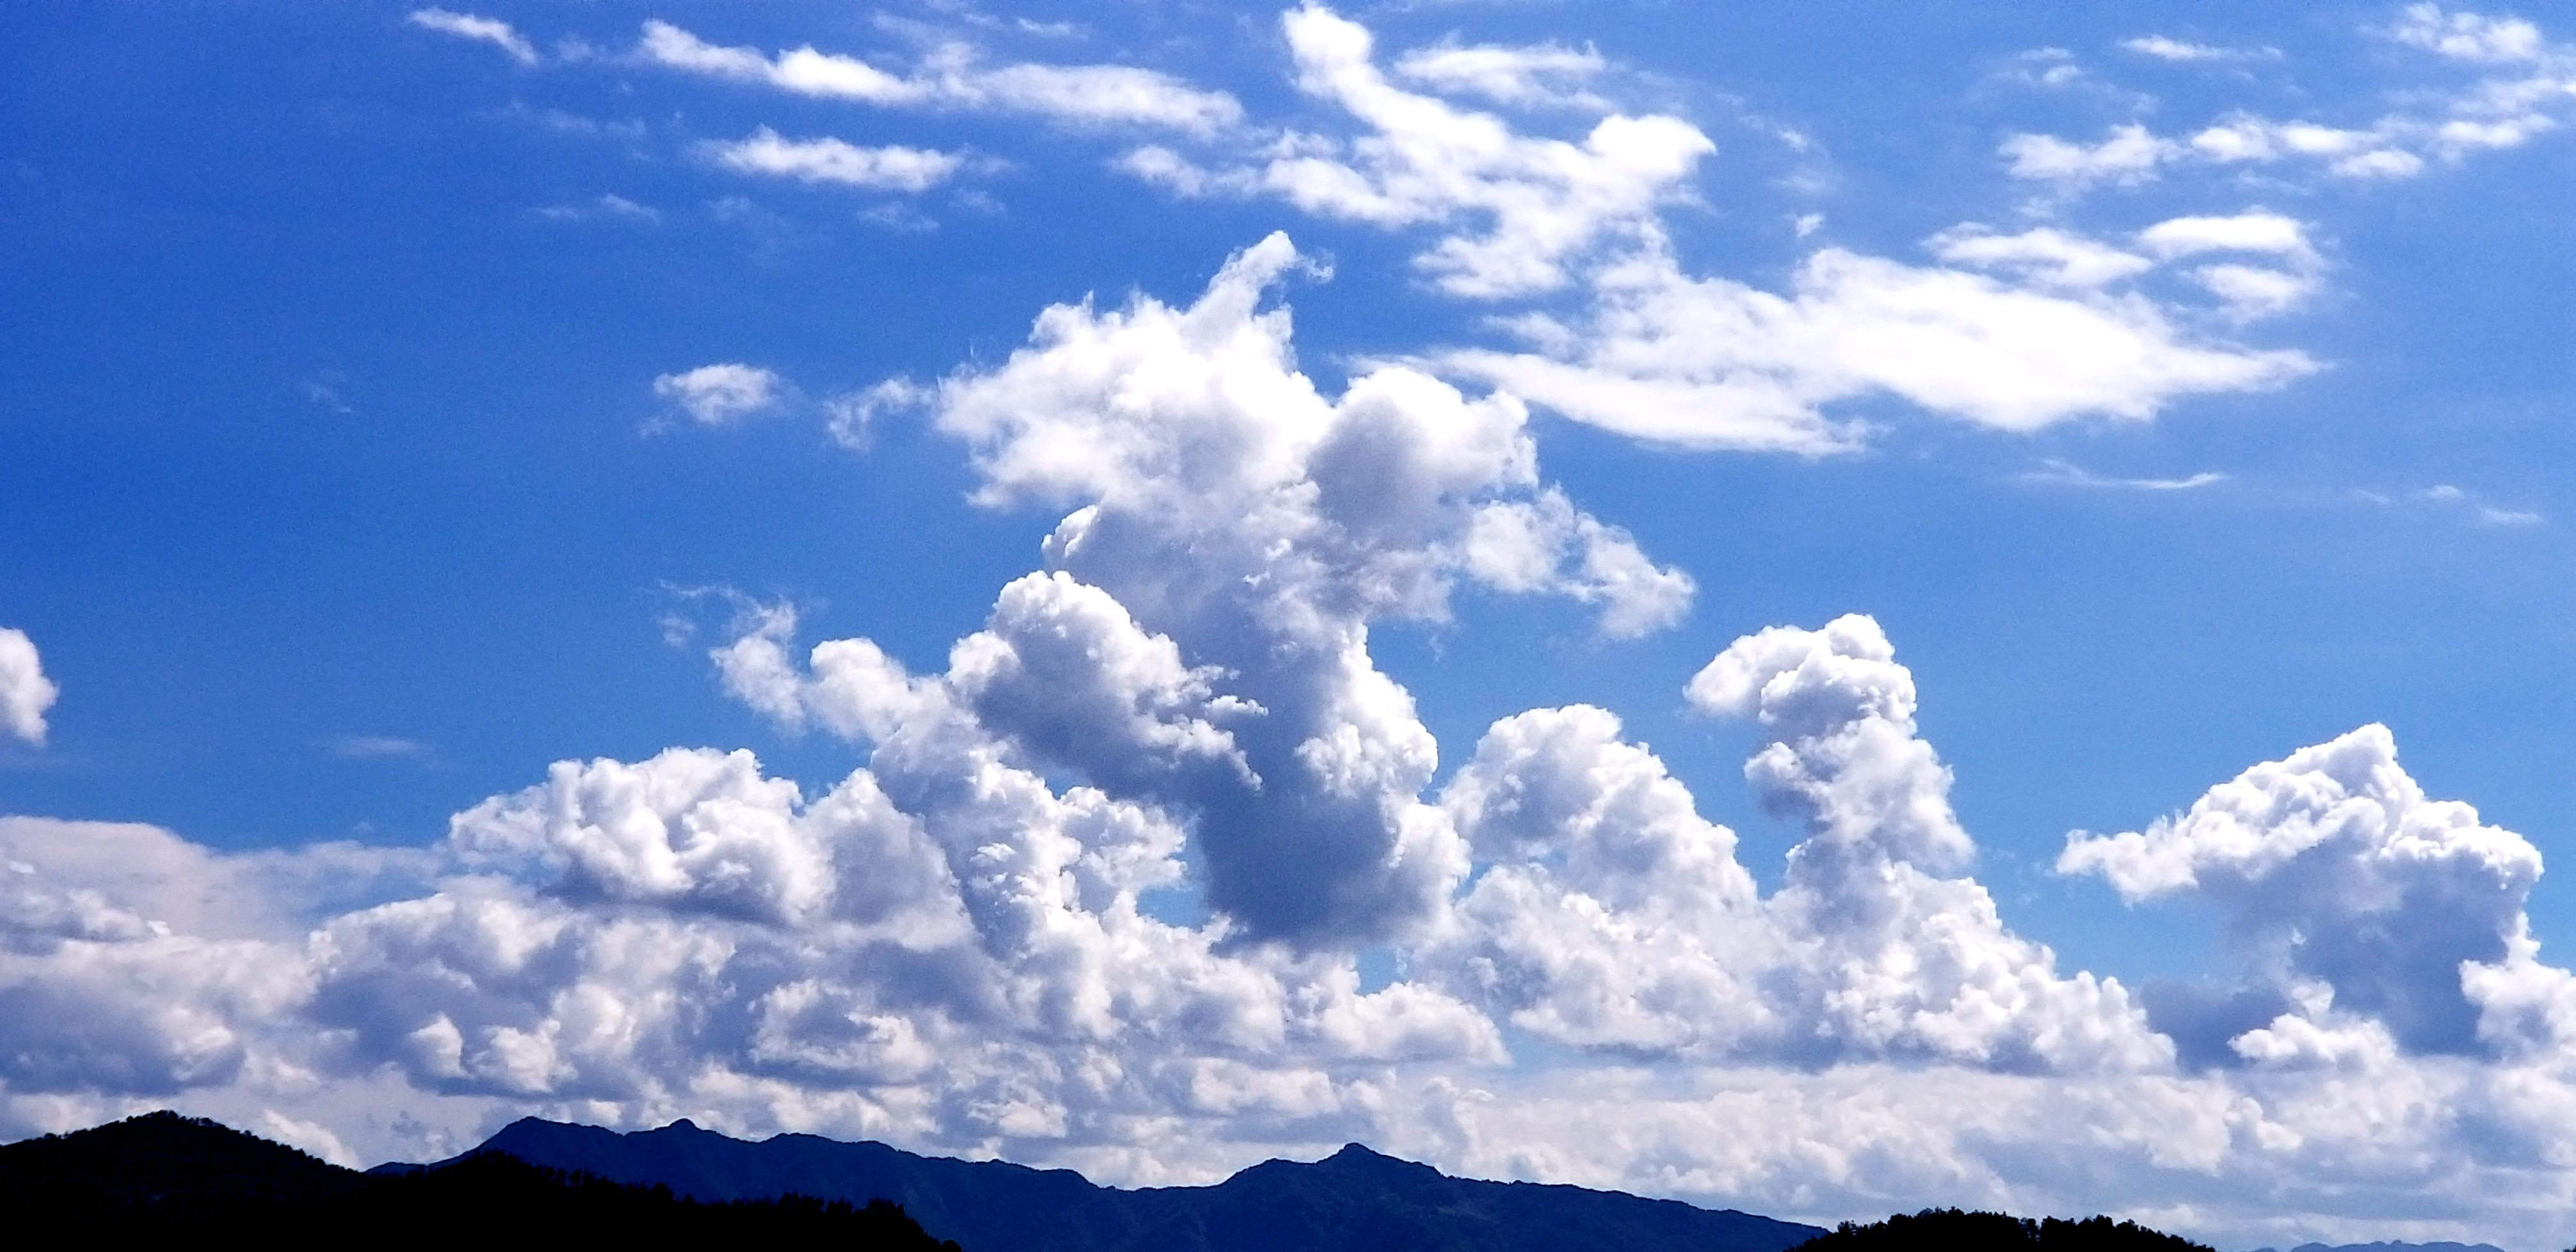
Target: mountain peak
1356, 1197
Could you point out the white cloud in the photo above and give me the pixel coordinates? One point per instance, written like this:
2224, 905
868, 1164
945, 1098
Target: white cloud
25, 692
2252, 231
2045, 254
2166, 48
952, 78
892, 167
2062, 473
1518, 210
2527, 88
851, 416
2332, 866
723, 393
491, 30
1548, 75
1714, 363
2449, 496
1218, 497
2472, 37
2130, 154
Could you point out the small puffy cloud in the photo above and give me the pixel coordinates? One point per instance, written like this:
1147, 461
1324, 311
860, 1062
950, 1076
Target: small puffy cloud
2294, 271
684, 830
953, 77
25, 692
2130, 154
2253, 231
2474, 37
723, 393
891, 167
851, 416
2046, 254
491, 30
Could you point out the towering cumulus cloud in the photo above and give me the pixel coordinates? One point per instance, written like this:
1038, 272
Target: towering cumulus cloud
1101, 887
1218, 499
2356, 893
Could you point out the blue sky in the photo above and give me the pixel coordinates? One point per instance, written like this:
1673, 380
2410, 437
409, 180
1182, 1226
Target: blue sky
405, 400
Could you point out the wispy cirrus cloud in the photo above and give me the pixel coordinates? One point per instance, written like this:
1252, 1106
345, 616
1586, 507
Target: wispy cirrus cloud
954, 76
490, 30
2165, 48
2057, 473
2526, 87
376, 748
1515, 212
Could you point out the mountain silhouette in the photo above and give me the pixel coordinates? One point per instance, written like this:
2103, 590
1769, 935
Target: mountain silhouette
171, 1177
1941, 1230
1355, 1200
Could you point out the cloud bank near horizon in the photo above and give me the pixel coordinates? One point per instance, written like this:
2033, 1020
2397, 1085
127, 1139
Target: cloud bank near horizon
1099, 892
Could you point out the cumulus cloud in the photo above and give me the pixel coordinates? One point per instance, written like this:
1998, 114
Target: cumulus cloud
723, 393
1217, 496
1516, 210
891, 167
491, 30
25, 692
952, 76
2335, 870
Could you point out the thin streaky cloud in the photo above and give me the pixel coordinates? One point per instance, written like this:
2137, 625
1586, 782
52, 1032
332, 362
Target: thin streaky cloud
2057, 473
953, 76
491, 30
375, 748
2165, 48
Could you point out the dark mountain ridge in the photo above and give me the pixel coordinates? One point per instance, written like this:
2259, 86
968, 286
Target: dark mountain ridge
1355, 1200
162, 1176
